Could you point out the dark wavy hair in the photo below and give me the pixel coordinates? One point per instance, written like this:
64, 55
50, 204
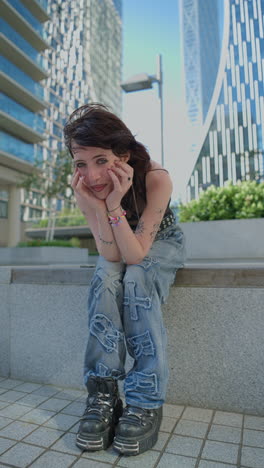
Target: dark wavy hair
94, 125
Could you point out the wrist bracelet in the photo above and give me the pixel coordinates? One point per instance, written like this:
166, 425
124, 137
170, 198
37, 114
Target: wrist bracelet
116, 220
110, 211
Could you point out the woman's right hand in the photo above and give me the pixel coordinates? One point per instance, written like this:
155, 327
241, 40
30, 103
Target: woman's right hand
86, 201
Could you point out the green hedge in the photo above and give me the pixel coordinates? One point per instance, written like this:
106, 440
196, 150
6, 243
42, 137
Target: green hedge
242, 201
73, 242
64, 218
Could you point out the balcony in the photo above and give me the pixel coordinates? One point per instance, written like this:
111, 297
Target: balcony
18, 129
21, 95
16, 20
17, 92
36, 9
20, 59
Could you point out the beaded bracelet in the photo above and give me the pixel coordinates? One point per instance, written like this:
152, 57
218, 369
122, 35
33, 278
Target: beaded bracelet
116, 220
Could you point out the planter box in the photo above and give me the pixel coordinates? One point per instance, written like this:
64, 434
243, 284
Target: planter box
42, 255
228, 240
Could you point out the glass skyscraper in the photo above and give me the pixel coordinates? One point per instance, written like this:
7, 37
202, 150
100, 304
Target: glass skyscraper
56, 55
232, 134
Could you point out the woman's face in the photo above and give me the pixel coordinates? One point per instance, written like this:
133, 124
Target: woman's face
92, 163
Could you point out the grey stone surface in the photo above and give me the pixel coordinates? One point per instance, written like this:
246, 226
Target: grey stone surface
188, 446
21, 455
54, 321
5, 275
252, 457
54, 460
42, 255
4, 331
220, 451
176, 461
215, 341
216, 348
224, 239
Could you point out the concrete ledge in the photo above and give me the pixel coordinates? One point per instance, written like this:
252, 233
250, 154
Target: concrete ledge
214, 318
213, 277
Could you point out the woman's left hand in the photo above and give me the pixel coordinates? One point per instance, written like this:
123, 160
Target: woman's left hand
122, 177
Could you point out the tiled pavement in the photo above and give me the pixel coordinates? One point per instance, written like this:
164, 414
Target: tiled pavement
38, 424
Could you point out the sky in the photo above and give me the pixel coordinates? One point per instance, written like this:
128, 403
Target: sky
150, 28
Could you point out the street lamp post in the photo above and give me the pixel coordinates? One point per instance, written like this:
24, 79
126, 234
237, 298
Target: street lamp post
144, 81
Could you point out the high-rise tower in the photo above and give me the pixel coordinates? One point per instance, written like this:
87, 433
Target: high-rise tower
232, 136
57, 55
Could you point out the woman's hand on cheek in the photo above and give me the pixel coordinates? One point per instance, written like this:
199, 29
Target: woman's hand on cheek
84, 197
122, 177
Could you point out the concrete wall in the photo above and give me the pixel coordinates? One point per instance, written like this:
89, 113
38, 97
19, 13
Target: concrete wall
232, 240
214, 318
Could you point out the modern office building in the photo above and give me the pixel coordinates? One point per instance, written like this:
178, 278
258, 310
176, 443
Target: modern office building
232, 135
57, 55
22, 70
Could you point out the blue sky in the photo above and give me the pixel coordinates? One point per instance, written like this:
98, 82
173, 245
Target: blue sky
151, 27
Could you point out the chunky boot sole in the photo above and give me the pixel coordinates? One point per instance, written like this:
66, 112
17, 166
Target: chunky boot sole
94, 442
137, 445
100, 441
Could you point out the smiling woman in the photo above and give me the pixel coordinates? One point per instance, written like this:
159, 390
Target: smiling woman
125, 197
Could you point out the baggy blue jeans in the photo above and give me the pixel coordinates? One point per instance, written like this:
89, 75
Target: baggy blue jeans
124, 308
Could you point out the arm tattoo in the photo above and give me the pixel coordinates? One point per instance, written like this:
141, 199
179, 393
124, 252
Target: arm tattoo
105, 242
140, 228
155, 230
160, 211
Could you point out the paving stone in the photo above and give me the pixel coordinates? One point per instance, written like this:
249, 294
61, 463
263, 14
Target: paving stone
184, 446
173, 411
37, 416
108, 456
54, 460
75, 428
17, 430
5, 444
4, 422
32, 400
2, 390
14, 411
10, 383
47, 391
191, 428
253, 438
75, 409
210, 464
220, 451
21, 455
44, 436
28, 387
197, 414
61, 421
162, 440
69, 394
54, 404
11, 396
254, 422
85, 463
67, 445
252, 457
167, 424
176, 461
3, 404
225, 434
228, 419
145, 460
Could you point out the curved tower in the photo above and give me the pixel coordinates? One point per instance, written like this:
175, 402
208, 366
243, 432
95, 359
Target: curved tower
233, 131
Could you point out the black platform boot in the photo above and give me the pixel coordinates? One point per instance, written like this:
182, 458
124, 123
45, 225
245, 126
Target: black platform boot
137, 430
103, 410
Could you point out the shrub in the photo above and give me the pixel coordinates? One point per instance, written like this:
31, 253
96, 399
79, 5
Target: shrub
245, 200
73, 242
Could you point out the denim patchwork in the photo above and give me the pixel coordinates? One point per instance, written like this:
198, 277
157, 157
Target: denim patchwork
103, 329
125, 314
141, 344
